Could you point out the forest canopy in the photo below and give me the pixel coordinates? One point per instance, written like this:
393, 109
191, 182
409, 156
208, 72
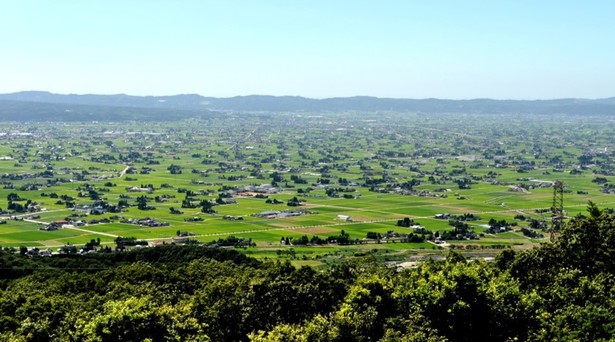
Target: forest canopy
558, 291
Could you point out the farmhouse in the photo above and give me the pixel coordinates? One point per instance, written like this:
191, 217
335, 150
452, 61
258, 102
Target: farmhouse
344, 218
98, 210
138, 189
149, 222
229, 200
263, 189
271, 214
55, 225
180, 239
289, 213
516, 188
82, 208
50, 227
268, 214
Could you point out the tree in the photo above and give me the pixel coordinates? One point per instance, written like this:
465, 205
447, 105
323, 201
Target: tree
13, 197
175, 169
365, 309
589, 244
293, 202
276, 177
406, 222
142, 203
207, 207
139, 319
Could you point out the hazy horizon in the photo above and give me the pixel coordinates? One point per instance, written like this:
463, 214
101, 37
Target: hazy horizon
307, 97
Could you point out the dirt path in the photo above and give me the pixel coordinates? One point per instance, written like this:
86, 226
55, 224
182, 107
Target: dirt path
123, 172
91, 231
35, 221
250, 231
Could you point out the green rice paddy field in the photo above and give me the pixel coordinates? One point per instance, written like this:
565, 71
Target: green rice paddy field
318, 163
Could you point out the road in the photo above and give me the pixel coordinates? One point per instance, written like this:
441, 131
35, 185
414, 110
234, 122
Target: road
65, 227
91, 231
248, 231
356, 222
244, 139
123, 172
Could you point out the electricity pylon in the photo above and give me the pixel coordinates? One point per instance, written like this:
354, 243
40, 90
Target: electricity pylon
557, 209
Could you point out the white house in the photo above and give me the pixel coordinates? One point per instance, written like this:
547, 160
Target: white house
343, 218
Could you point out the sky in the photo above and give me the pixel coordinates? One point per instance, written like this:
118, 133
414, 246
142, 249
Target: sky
508, 49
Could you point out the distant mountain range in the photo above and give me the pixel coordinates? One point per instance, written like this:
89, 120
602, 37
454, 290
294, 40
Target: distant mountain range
38, 105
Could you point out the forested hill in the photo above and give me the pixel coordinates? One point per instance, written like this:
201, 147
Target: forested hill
40, 111
556, 292
186, 105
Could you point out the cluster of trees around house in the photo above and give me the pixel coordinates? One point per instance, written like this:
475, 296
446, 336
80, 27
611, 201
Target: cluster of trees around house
559, 291
233, 241
122, 242
461, 231
394, 235
344, 239
16, 207
405, 222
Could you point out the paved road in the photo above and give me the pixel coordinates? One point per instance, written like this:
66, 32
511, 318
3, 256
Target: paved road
244, 139
356, 222
65, 227
248, 231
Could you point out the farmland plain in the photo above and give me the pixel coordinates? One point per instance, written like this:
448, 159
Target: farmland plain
349, 174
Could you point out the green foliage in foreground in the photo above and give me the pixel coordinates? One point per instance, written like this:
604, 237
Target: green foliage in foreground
561, 291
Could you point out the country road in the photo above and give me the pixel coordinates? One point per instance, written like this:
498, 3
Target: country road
91, 231
123, 172
244, 139
250, 231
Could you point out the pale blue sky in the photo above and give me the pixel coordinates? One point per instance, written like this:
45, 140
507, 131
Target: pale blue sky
412, 49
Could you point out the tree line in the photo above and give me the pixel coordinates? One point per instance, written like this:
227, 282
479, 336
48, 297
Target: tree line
558, 291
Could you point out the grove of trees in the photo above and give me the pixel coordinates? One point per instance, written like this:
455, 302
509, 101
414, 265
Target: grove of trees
558, 291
